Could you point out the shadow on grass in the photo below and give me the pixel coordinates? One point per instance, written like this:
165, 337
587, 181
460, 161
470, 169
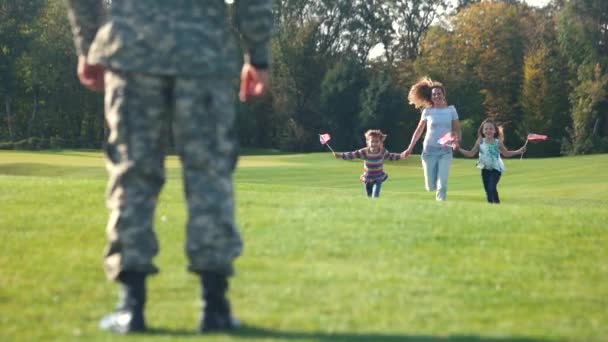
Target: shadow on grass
46, 170
251, 332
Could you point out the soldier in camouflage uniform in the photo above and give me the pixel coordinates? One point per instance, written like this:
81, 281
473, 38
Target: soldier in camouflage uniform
172, 62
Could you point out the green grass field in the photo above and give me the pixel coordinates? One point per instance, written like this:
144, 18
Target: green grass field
321, 261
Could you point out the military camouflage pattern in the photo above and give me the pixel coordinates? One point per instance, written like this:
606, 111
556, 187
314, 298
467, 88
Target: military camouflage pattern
170, 64
189, 37
202, 112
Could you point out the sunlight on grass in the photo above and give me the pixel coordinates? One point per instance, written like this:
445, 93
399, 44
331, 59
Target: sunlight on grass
321, 261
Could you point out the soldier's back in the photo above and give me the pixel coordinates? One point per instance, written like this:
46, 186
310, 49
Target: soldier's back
181, 37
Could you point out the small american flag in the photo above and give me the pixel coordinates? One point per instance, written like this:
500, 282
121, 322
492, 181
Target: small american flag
536, 137
324, 138
446, 139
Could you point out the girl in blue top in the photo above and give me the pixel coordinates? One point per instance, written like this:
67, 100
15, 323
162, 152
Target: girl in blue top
490, 146
438, 119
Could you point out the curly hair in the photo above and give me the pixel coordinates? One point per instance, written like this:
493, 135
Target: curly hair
375, 133
498, 130
421, 92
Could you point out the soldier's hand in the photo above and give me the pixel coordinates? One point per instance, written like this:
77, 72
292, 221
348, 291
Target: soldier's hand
253, 82
90, 75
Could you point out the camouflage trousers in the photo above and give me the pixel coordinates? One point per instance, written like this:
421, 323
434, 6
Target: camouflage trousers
140, 109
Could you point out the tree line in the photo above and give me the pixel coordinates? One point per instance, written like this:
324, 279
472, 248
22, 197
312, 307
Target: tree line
346, 66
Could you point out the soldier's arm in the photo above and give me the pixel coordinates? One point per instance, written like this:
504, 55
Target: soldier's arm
253, 19
85, 18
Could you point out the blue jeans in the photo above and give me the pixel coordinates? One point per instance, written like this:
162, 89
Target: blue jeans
373, 189
436, 167
490, 179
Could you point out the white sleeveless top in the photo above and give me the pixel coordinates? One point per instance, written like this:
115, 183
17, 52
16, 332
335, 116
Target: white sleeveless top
489, 156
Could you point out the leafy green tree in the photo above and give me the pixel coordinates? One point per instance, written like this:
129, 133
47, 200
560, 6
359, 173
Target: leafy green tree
460, 4
258, 124
590, 105
583, 39
489, 36
43, 98
544, 100
411, 20
480, 54
339, 102
582, 32
298, 70
312, 37
16, 18
53, 75
442, 60
545, 87
383, 107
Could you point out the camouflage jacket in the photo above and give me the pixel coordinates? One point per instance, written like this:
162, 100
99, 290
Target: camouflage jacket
171, 37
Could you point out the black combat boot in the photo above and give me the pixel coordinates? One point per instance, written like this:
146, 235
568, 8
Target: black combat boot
216, 314
128, 317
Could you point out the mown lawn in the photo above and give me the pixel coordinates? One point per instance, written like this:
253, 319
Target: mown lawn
321, 261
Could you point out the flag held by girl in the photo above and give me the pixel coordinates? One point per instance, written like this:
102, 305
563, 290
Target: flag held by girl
533, 137
324, 140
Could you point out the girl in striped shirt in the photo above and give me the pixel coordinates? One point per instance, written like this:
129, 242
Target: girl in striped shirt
373, 156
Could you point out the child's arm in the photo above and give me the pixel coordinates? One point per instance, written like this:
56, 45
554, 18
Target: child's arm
358, 154
394, 156
506, 153
472, 152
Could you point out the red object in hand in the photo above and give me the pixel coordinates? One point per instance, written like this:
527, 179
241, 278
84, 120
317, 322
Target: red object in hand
324, 138
446, 139
253, 82
90, 75
536, 137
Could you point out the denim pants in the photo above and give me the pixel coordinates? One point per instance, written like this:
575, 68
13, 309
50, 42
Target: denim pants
436, 167
490, 179
373, 189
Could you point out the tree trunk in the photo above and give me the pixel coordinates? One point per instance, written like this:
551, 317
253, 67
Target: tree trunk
32, 119
9, 117
605, 125
595, 126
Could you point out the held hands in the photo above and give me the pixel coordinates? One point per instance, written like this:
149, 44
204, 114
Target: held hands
406, 153
90, 75
253, 82
456, 144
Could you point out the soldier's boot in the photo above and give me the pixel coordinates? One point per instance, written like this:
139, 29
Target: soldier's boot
128, 317
216, 315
